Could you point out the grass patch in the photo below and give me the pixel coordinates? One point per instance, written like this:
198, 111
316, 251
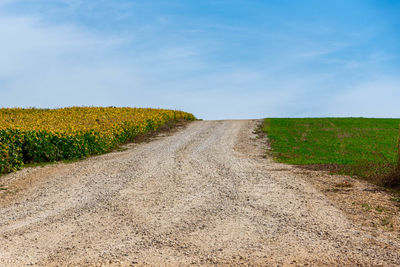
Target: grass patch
366, 206
362, 147
385, 221
395, 199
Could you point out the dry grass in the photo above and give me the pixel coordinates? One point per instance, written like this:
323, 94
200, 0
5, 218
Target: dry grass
392, 179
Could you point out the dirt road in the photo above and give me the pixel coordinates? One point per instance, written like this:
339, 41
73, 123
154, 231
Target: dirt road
202, 196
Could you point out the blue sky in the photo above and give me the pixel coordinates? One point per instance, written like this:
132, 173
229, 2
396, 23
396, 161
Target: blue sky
218, 59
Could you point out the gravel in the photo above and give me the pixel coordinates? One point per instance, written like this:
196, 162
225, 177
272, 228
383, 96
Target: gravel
205, 195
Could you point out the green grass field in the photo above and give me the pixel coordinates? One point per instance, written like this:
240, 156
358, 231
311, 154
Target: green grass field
357, 146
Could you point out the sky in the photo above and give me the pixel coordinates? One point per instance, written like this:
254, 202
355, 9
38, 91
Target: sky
217, 59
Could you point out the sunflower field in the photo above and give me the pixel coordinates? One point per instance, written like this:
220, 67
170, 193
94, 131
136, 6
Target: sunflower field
46, 135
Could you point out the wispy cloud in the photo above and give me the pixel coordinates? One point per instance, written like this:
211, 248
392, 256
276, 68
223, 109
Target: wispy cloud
56, 65
376, 97
236, 64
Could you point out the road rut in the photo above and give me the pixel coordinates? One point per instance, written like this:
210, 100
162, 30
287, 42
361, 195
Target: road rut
205, 195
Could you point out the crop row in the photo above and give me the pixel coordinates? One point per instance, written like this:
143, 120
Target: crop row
45, 135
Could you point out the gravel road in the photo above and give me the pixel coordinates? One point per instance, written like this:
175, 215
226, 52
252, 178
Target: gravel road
204, 195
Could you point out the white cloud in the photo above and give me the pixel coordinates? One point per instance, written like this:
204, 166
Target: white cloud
375, 97
56, 65
51, 65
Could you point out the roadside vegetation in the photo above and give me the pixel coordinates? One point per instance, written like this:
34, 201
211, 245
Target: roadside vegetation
44, 135
362, 147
